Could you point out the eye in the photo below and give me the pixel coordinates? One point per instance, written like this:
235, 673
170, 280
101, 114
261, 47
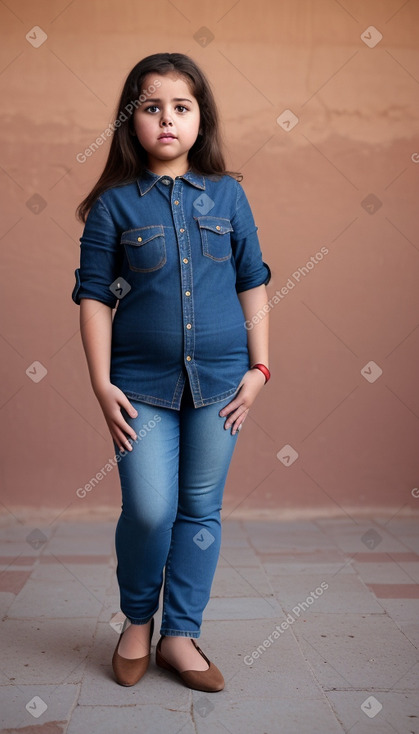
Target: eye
182, 108
151, 107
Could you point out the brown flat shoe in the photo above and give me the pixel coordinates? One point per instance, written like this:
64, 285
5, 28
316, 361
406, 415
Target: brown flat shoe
210, 680
128, 672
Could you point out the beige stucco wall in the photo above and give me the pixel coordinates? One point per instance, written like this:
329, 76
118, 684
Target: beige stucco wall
357, 134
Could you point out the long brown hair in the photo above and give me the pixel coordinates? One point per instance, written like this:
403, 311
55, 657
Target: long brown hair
127, 159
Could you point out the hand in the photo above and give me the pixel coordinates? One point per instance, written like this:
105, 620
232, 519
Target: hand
111, 400
236, 411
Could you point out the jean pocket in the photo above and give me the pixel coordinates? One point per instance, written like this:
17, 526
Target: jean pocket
145, 248
215, 237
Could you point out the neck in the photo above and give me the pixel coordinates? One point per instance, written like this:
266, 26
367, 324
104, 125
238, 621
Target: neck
168, 168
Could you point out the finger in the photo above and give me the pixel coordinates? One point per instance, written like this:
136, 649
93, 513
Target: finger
124, 443
227, 409
122, 424
231, 406
237, 400
233, 416
125, 403
238, 424
126, 429
122, 429
120, 443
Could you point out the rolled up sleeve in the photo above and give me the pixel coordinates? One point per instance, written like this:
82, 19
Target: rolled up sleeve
251, 270
100, 257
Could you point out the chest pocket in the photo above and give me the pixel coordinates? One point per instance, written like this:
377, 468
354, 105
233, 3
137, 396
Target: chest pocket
215, 237
145, 248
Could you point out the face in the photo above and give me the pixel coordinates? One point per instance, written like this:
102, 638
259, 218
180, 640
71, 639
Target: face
167, 124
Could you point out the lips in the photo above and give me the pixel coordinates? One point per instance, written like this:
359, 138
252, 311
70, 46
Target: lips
166, 135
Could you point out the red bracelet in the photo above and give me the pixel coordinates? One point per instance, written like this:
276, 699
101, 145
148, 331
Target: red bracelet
264, 370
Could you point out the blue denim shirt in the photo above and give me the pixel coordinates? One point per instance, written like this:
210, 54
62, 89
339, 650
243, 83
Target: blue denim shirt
172, 255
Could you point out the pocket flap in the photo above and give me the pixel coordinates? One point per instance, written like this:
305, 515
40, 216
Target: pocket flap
219, 225
142, 235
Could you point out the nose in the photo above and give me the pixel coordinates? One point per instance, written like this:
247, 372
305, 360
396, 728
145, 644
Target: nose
165, 119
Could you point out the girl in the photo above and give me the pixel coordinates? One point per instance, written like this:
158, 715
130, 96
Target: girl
170, 240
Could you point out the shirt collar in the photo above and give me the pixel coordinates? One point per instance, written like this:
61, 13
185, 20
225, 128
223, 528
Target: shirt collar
148, 179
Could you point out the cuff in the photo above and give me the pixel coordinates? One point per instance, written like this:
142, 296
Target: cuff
76, 289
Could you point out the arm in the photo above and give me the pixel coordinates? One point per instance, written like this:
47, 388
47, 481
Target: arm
96, 334
251, 302
252, 381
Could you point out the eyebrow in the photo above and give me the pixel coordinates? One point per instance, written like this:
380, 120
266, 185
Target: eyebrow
175, 99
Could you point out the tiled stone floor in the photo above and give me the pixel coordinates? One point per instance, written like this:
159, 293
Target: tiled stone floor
344, 660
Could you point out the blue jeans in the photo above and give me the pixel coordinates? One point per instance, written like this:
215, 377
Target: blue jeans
172, 486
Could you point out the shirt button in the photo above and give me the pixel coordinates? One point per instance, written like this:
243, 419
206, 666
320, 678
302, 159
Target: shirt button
166, 181
189, 326
181, 230
188, 358
187, 293
139, 239
185, 260
176, 202
218, 226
